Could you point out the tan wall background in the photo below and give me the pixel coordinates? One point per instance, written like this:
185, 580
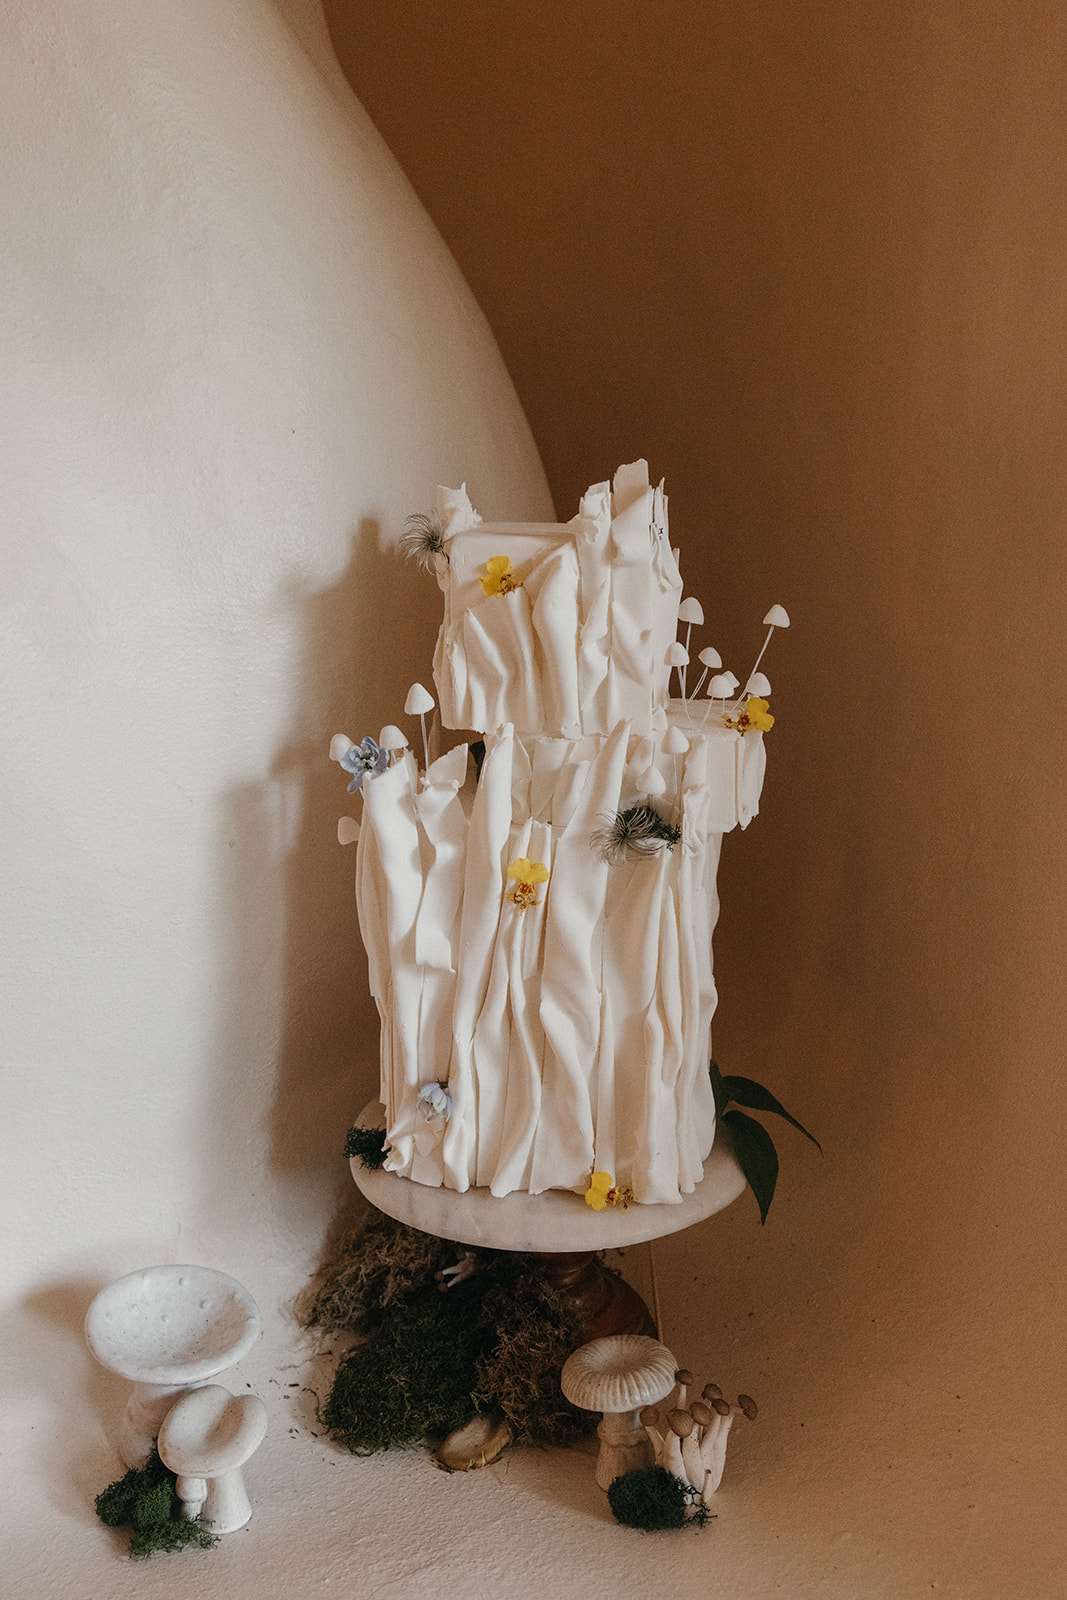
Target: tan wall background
811, 261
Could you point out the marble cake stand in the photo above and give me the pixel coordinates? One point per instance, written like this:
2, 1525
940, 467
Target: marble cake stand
557, 1226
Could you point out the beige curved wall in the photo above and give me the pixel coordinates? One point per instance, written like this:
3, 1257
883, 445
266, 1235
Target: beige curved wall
811, 261
236, 356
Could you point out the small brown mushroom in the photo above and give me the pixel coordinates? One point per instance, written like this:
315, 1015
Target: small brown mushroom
682, 1380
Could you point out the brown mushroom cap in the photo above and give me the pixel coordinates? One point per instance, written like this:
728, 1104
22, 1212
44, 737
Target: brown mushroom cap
620, 1373
683, 1375
722, 1406
680, 1422
649, 1416
748, 1406
701, 1413
711, 1391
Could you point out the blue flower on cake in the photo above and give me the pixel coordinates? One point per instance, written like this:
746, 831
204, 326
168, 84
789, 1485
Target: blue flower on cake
363, 761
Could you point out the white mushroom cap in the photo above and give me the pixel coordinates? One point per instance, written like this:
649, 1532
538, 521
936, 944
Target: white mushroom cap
690, 610
210, 1431
677, 655
347, 830
652, 781
675, 742
391, 738
719, 686
340, 745
710, 658
620, 1373
759, 683
777, 617
419, 700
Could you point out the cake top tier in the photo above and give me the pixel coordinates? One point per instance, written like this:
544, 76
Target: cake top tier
561, 629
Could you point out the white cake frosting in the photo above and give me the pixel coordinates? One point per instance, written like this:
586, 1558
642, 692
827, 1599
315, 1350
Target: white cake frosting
541, 1027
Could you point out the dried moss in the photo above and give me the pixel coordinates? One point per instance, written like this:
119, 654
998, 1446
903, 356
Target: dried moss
144, 1500
533, 1332
433, 1357
654, 1499
412, 1376
381, 1267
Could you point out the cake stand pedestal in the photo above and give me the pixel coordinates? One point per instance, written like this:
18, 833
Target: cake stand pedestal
557, 1226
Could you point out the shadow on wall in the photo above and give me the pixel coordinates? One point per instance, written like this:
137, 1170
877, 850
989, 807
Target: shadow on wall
45, 1337
279, 861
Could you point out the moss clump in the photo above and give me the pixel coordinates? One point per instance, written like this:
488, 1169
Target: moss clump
412, 1377
368, 1144
533, 1331
654, 1499
144, 1500
374, 1272
434, 1357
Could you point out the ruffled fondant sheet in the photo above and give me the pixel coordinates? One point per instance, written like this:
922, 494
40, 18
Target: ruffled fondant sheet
573, 1035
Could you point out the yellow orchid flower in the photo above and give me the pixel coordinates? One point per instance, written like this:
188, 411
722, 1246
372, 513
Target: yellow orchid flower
755, 715
527, 875
602, 1191
498, 577
758, 714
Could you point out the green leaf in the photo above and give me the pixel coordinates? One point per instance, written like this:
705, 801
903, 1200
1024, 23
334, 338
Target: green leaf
744, 1092
756, 1156
718, 1089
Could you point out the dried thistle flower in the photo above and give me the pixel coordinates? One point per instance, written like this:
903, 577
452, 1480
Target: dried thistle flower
423, 540
634, 834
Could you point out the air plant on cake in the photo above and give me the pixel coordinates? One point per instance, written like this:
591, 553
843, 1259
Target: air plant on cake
634, 834
423, 540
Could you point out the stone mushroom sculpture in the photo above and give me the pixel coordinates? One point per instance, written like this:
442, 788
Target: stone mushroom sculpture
618, 1376
206, 1439
167, 1329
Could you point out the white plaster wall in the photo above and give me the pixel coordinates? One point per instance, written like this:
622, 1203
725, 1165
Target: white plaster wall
235, 356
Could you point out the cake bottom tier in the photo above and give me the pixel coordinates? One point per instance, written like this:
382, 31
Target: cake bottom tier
545, 1008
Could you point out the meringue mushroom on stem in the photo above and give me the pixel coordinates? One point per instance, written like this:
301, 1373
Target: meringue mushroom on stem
689, 611
777, 617
392, 740
675, 744
619, 1376
678, 657
652, 782
711, 661
418, 702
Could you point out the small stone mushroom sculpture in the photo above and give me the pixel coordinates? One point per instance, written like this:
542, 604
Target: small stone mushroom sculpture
206, 1439
617, 1376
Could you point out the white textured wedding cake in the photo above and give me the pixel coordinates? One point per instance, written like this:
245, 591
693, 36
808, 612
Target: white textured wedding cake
539, 931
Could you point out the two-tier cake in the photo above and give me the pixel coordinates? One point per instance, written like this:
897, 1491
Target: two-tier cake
538, 918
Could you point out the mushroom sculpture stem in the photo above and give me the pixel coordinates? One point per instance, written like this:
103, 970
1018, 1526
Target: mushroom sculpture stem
618, 1376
